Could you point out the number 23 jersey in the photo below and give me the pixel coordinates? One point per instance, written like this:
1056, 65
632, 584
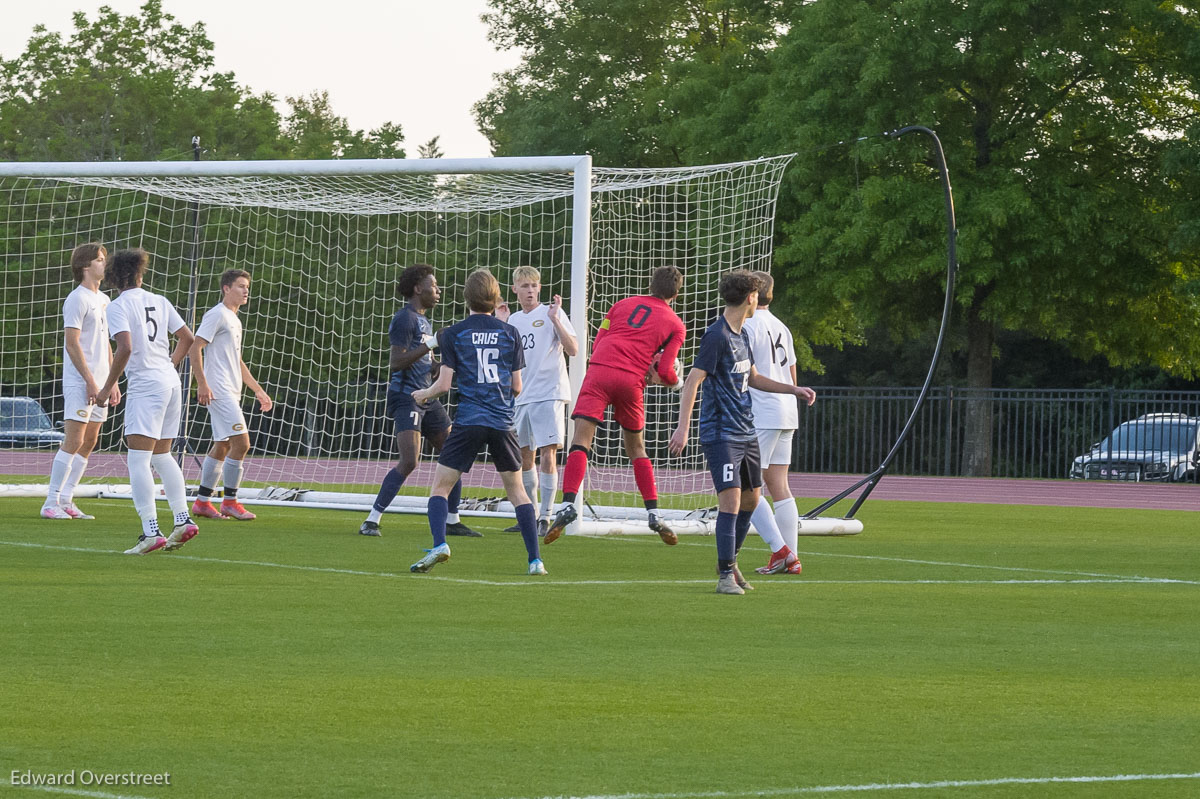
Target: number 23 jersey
484, 354
149, 320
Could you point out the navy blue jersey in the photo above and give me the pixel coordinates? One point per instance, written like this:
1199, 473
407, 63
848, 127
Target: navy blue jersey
484, 353
405, 332
725, 406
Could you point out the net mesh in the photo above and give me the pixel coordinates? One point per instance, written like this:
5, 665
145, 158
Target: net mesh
325, 253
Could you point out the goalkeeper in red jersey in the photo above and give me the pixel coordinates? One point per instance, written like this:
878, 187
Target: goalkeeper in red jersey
635, 331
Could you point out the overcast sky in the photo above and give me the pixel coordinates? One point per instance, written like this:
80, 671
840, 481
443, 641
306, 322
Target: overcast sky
420, 63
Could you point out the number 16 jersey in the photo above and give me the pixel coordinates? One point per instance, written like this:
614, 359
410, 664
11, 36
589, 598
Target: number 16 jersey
484, 354
149, 320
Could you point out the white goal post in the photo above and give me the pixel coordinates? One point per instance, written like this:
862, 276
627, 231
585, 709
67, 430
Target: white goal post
324, 242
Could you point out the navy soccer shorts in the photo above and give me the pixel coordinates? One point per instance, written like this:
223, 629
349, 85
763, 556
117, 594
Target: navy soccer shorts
466, 442
429, 418
734, 464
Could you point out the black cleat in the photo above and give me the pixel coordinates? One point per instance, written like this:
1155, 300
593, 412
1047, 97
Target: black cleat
664, 532
369, 528
543, 527
516, 528
566, 514
458, 528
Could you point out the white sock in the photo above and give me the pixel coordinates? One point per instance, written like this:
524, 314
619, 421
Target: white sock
764, 523
141, 481
453, 518
208, 473
549, 487
78, 463
58, 475
787, 518
374, 515
530, 479
172, 480
231, 475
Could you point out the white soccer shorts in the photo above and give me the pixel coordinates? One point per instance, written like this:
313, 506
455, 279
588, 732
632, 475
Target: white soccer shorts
540, 424
76, 408
225, 414
775, 447
154, 415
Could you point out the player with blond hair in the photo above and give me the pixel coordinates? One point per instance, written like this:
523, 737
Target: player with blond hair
546, 336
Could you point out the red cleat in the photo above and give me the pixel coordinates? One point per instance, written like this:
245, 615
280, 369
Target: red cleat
234, 510
779, 562
203, 507
794, 566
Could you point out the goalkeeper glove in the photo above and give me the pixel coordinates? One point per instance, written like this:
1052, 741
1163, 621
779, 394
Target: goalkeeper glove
430, 341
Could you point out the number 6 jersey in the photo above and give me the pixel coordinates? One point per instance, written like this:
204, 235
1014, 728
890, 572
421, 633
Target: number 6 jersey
149, 319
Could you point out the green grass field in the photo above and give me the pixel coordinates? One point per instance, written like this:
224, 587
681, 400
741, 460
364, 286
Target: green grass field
948, 651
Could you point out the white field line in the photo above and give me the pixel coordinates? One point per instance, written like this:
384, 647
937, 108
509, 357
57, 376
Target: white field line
69, 791
1023, 569
882, 786
526, 582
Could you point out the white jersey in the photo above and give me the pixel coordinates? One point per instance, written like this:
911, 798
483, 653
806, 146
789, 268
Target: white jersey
222, 329
774, 355
545, 374
149, 320
86, 311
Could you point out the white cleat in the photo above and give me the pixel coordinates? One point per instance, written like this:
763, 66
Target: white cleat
439, 554
181, 535
727, 584
53, 512
536, 566
74, 512
147, 544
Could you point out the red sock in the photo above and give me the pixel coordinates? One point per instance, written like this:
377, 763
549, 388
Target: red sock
573, 472
643, 475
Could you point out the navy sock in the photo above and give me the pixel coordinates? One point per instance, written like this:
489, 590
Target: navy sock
437, 520
527, 519
455, 495
726, 540
741, 529
387, 490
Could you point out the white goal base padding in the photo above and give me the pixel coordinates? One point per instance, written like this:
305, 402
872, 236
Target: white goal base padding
622, 521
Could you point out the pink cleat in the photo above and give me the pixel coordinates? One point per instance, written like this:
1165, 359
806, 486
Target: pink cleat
202, 507
234, 510
147, 544
181, 535
72, 510
54, 512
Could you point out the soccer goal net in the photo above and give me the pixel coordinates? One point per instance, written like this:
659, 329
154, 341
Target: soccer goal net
324, 243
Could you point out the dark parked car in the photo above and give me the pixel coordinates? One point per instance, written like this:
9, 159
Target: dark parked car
1163, 447
23, 424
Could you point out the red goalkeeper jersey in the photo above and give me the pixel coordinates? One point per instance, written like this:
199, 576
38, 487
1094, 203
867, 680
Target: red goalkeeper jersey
633, 331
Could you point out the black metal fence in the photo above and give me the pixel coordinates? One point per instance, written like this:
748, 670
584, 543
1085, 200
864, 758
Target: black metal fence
1035, 432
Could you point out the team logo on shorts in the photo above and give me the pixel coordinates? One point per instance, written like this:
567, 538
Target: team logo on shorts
237, 428
539, 322
81, 413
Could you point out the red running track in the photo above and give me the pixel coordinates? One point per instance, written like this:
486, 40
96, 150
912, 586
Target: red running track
997, 491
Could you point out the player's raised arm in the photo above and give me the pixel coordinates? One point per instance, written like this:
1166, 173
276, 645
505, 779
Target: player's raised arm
566, 334
763, 383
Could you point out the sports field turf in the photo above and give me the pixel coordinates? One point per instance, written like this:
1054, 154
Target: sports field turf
967, 650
